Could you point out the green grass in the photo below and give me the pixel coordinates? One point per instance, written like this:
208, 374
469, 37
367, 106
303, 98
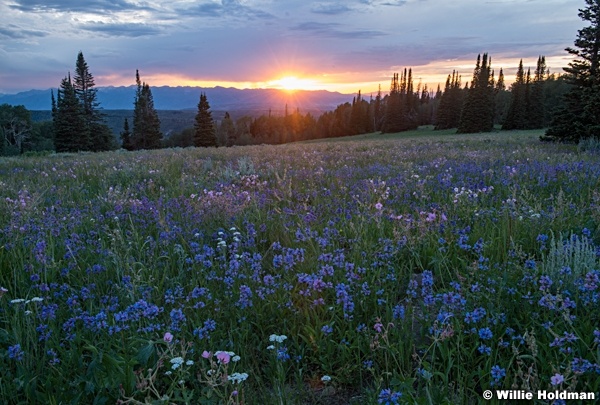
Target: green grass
421, 262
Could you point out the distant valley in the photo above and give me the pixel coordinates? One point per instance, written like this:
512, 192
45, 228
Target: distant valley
177, 105
251, 101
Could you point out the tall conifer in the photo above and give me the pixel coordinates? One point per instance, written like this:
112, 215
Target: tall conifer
95, 133
580, 118
68, 119
478, 110
146, 124
204, 135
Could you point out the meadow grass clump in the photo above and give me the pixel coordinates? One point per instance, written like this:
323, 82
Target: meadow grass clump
417, 268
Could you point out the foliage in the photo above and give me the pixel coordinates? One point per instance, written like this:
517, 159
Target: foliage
527, 106
78, 123
205, 134
15, 128
421, 268
448, 115
401, 105
580, 117
68, 120
478, 110
146, 132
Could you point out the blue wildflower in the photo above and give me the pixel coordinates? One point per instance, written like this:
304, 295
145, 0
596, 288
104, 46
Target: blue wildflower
389, 397
15, 352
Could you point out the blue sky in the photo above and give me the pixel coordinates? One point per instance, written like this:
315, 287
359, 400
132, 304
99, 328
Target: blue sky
335, 45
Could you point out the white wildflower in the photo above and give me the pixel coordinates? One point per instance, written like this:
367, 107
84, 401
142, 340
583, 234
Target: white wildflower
237, 378
277, 338
17, 301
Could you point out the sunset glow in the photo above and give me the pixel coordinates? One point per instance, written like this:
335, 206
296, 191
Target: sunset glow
292, 45
291, 83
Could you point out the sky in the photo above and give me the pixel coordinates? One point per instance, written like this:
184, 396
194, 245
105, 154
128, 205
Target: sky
333, 45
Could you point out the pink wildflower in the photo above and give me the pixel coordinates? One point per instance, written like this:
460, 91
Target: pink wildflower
223, 357
168, 337
378, 206
206, 354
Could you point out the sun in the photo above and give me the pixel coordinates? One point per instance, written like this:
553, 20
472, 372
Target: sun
292, 83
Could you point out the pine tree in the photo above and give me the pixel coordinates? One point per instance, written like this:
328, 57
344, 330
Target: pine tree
401, 105
146, 124
204, 135
580, 118
517, 111
378, 111
359, 116
126, 136
68, 119
536, 113
448, 114
478, 110
227, 130
95, 134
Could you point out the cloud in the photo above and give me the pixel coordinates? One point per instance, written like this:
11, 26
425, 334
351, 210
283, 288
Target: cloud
330, 8
14, 32
375, 3
226, 8
120, 29
331, 30
89, 6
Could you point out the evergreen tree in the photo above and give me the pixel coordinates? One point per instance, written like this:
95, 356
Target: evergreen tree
502, 99
516, 117
126, 136
536, 113
580, 119
478, 110
68, 120
378, 111
359, 119
95, 133
401, 105
146, 124
448, 114
227, 131
204, 135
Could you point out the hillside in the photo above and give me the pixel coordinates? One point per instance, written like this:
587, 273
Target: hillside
249, 101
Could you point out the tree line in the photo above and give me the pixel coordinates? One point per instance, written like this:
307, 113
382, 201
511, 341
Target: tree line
567, 105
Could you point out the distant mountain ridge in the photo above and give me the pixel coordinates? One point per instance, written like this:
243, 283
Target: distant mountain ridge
181, 98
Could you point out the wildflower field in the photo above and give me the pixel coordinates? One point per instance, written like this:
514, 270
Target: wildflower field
418, 268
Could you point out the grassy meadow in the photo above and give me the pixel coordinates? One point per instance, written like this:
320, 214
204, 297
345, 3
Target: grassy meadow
422, 267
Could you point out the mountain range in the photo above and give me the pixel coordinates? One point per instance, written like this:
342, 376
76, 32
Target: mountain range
251, 101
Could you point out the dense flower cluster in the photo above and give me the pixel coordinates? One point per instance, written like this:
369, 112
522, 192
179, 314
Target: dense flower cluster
367, 257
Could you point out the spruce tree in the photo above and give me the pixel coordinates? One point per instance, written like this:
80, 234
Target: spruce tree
448, 114
95, 134
146, 124
68, 120
580, 118
227, 130
536, 111
126, 136
378, 111
401, 104
517, 111
478, 110
502, 99
204, 134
